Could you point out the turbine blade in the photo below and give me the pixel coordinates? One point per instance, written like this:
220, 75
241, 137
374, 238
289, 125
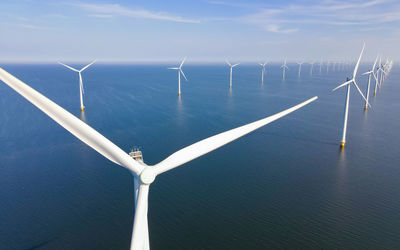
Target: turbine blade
183, 74
139, 224
75, 126
376, 79
228, 63
68, 66
342, 85
359, 91
235, 65
87, 66
207, 145
367, 73
373, 67
358, 62
173, 68
184, 59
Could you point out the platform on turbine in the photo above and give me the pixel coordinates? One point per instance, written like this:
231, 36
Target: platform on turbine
136, 154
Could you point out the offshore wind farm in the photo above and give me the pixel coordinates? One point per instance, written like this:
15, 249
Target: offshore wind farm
287, 158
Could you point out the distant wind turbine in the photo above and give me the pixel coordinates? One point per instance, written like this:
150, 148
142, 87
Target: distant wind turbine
346, 108
299, 63
284, 67
369, 73
230, 75
143, 174
311, 68
81, 91
320, 66
180, 71
263, 71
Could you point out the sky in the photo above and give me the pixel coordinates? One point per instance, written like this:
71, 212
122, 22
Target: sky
204, 31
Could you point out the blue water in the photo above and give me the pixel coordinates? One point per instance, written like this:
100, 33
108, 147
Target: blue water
286, 185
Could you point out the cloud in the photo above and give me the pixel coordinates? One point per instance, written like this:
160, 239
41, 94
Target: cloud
31, 26
101, 16
119, 10
287, 18
277, 29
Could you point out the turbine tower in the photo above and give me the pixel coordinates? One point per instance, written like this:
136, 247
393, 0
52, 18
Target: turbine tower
230, 74
312, 66
299, 63
320, 67
81, 91
180, 71
262, 71
369, 73
284, 67
143, 174
346, 107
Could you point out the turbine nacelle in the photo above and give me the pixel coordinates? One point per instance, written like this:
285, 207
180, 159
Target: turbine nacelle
231, 65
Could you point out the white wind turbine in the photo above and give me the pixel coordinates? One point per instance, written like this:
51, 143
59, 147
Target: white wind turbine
262, 71
230, 74
299, 63
143, 174
312, 66
320, 66
180, 71
385, 71
346, 107
81, 91
369, 73
284, 67
379, 73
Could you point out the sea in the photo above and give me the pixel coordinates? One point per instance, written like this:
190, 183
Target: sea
287, 185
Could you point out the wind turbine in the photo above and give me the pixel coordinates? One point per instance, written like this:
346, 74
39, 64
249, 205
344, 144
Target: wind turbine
369, 73
230, 75
380, 72
180, 71
311, 68
385, 71
320, 66
284, 67
143, 174
262, 71
300, 63
81, 91
346, 107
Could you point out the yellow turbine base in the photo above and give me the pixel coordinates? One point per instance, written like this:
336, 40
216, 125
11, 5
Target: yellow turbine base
366, 107
374, 93
179, 94
82, 108
342, 143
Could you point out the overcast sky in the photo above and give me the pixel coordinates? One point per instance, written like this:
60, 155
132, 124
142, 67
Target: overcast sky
153, 31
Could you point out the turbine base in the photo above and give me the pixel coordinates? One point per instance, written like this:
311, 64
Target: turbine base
366, 107
82, 108
342, 143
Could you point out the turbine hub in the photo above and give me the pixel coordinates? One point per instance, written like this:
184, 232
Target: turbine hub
147, 176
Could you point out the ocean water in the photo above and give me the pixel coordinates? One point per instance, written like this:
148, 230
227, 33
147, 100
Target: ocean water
285, 186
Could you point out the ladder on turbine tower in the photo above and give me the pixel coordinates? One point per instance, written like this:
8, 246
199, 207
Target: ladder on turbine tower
136, 154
